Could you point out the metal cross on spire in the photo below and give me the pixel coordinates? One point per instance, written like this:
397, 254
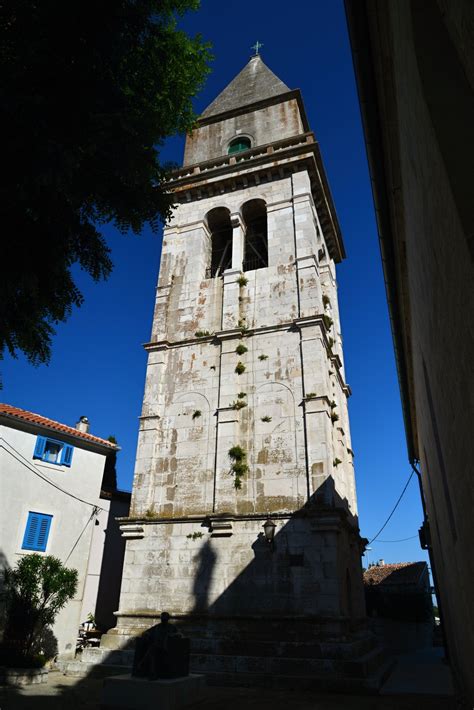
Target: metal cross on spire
257, 46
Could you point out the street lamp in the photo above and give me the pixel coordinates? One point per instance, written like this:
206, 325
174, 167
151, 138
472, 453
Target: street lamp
269, 530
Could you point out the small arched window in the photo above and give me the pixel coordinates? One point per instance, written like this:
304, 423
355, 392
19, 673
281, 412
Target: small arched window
218, 221
254, 214
239, 144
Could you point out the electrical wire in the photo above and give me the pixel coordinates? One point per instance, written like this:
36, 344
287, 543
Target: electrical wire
393, 509
26, 463
92, 515
403, 539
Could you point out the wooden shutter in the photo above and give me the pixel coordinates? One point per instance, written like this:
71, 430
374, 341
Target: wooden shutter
37, 532
39, 448
66, 456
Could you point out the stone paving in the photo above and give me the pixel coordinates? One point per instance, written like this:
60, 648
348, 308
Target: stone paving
64, 693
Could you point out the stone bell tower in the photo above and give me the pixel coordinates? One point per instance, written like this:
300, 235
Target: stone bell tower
245, 408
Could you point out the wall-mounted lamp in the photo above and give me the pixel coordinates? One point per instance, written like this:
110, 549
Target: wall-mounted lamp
269, 530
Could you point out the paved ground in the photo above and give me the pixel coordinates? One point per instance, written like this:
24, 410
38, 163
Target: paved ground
63, 693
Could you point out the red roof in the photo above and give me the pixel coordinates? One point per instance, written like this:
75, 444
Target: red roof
396, 573
22, 415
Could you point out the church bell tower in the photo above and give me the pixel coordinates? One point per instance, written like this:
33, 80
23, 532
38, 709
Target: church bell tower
244, 514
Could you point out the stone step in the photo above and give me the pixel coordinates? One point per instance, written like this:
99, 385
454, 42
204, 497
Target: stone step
287, 649
81, 669
122, 657
361, 667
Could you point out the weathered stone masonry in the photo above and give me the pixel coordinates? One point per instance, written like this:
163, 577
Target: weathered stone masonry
253, 361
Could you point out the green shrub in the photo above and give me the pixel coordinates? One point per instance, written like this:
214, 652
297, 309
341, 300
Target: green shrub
326, 300
197, 413
263, 357
34, 592
266, 418
240, 368
242, 280
240, 349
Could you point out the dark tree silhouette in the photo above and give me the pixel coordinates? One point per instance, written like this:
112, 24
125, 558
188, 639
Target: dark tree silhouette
89, 93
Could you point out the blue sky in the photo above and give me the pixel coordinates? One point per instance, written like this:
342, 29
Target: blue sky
98, 365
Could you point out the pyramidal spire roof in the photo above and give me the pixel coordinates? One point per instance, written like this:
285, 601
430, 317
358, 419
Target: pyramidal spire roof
254, 83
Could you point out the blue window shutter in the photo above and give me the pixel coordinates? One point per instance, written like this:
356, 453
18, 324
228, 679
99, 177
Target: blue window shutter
43, 532
39, 448
66, 456
37, 532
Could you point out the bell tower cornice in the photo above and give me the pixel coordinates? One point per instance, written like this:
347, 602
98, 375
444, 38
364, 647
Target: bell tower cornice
264, 163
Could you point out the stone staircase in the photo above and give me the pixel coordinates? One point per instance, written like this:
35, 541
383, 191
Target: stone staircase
356, 664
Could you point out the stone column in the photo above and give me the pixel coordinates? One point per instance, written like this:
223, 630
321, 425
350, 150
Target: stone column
238, 237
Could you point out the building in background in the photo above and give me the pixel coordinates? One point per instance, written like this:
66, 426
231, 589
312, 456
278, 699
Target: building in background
58, 497
244, 521
399, 604
414, 65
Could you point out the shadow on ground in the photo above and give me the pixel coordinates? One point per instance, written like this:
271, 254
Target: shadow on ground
64, 693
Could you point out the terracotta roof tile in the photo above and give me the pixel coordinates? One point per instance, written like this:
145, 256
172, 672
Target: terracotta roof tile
21, 414
396, 573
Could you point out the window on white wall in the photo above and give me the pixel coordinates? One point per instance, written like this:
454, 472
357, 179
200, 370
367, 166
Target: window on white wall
36, 532
53, 451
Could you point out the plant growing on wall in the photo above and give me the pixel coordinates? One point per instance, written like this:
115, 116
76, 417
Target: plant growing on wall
266, 418
327, 321
197, 413
241, 395
326, 300
238, 404
311, 395
243, 325
34, 592
242, 280
240, 368
331, 342
240, 349
336, 462
333, 404
334, 417
239, 467
263, 357
202, 333
194, 535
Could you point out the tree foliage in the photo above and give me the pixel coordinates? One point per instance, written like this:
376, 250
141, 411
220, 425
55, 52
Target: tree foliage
89, 93
35, 591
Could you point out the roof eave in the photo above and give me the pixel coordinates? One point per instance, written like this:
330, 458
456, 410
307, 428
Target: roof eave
55, 433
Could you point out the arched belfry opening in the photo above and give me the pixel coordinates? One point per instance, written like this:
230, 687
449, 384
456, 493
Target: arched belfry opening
218, 221
254, 215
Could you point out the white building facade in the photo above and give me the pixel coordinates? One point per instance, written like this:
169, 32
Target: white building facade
51, 478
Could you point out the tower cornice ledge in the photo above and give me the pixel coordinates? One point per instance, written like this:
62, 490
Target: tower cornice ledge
275, 156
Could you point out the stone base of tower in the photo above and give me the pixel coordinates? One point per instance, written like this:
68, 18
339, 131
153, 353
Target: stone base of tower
280, 614
271, 653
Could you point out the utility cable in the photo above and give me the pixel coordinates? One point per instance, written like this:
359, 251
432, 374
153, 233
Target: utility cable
393, 509
403, 539
19, 457
92, 515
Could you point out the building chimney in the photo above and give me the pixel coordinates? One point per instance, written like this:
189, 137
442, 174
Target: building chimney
83, 425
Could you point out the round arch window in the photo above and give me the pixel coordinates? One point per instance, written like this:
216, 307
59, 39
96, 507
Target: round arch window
239, 144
